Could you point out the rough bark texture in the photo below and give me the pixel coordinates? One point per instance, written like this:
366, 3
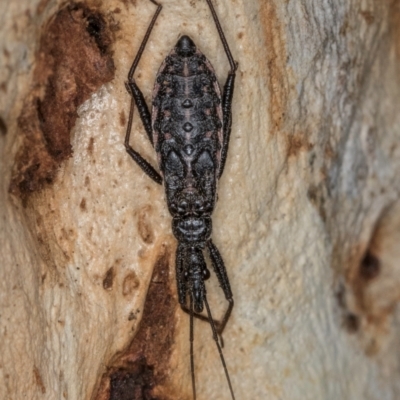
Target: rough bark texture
308, 217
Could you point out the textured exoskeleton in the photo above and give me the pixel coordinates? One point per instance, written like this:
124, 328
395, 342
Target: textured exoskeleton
189, 128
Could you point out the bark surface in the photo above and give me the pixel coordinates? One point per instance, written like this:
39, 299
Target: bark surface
307, 220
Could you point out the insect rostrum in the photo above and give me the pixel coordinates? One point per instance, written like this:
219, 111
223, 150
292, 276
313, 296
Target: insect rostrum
189, 127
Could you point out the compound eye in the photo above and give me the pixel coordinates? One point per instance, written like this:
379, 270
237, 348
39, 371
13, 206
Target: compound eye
206, 274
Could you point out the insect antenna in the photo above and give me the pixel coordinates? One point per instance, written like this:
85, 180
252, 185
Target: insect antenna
215, 336
191, 348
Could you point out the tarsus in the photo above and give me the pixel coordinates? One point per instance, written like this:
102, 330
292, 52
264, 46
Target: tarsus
221, 356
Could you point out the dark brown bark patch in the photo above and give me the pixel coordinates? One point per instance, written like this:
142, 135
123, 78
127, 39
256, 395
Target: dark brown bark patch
130, 284
368, 16
351, 322
82, 204
90, 146
297, 143
122, 118
280, 82
276, 73
41, 6
3, 127
395, 27
144, 227
38, 380
73, 61
144, 366
370, 291
369, 267
109, 279
317, 195
133, 385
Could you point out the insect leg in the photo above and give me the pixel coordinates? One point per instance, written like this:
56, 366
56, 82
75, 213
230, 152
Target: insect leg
223, 280
227, 118
191, 349
228, 91
144, 41
144, 113
131, 86
143, 164
180, 278
182, 288
232, 62
197, 315
215, 337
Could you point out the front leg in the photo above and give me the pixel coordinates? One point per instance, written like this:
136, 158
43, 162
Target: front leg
144, 113
131, 86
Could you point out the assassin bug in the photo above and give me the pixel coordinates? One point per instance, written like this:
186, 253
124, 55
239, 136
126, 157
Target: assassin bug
189, 127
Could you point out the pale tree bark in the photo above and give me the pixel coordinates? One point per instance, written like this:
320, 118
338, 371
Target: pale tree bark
307, 221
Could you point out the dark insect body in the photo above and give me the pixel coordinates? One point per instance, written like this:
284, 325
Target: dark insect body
189, 128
